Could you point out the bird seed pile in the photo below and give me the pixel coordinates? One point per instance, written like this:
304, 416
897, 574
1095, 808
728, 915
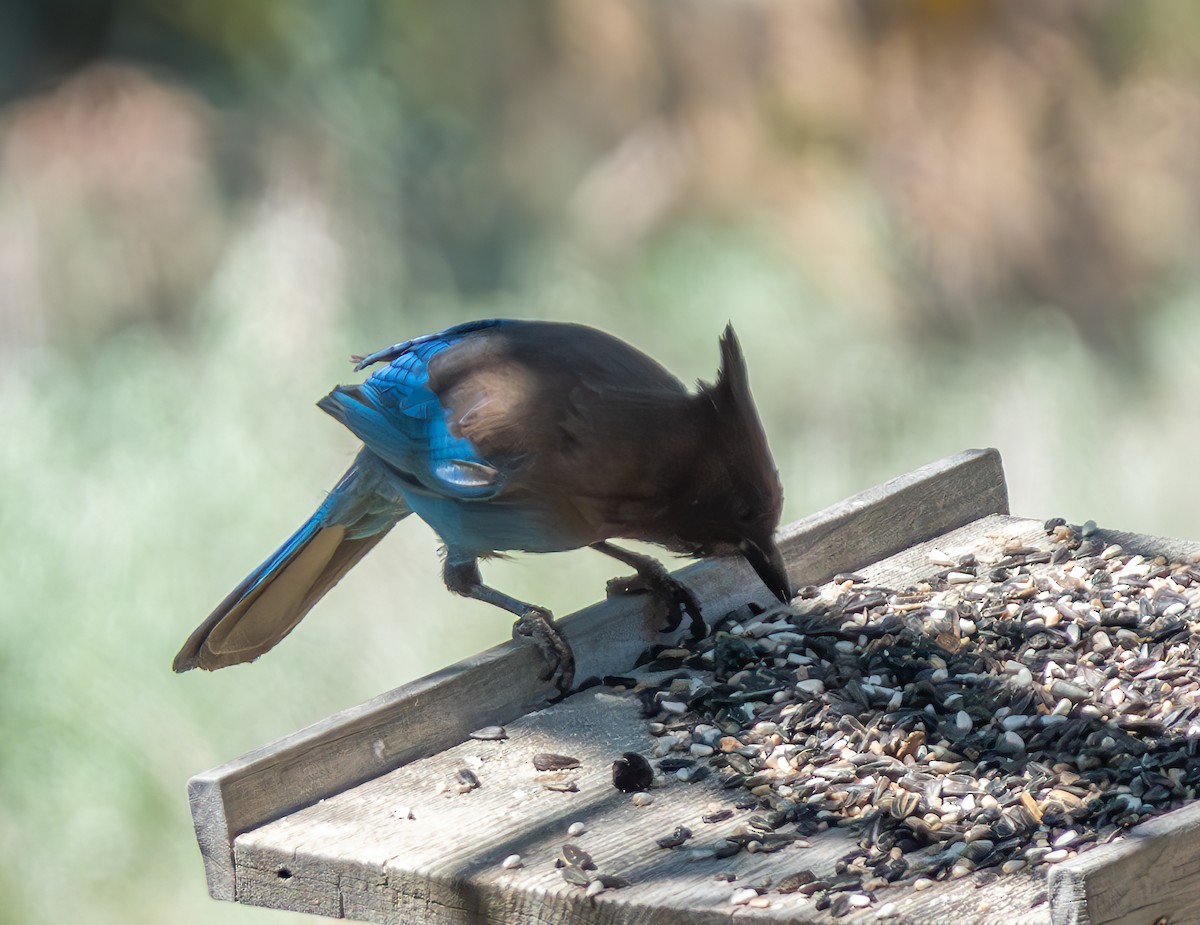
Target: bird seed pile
993, 717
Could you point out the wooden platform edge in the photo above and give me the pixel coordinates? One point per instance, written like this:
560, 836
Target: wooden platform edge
496, 686
1152, 875
888, 518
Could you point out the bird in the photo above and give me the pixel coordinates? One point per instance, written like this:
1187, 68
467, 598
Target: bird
524, 436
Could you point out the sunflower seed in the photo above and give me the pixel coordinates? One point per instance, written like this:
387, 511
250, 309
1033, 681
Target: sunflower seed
548, 761
631, 772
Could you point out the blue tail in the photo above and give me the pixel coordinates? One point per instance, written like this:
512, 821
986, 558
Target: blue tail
359, 511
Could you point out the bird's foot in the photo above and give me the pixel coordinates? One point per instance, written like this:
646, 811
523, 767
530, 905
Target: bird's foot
539, 625
675, 595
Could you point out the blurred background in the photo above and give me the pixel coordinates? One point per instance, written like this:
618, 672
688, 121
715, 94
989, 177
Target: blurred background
935, 223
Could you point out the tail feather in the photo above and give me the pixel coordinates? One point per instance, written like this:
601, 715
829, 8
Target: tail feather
269, 603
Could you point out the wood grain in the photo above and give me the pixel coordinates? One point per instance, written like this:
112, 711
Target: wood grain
895, 515
435, 713
359, 855
1151, 877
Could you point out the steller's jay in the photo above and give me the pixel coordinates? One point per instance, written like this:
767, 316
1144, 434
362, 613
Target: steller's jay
520, 435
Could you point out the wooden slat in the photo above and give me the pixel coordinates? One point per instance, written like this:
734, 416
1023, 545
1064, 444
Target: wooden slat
443, 867
436, 712
353, 856
1152, 876
893, 516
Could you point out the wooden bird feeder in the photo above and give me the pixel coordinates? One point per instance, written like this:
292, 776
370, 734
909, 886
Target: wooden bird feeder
345, 819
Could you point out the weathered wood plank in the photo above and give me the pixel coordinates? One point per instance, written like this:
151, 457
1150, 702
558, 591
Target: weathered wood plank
1151, 877
350, 856
895, 515
353, 855
443, 867
436, 712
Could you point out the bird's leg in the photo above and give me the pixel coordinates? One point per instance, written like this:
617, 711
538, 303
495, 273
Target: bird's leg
533, 622
652, 577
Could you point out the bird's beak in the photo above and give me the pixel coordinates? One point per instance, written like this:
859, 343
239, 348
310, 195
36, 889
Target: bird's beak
768, 564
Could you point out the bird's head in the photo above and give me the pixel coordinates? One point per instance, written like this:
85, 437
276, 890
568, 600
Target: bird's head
736, 495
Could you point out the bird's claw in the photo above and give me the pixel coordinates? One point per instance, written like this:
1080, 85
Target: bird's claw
539, 626
678, 598
629, 584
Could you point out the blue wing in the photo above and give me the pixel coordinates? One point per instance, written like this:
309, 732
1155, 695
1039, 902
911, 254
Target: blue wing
401, 420
410, 451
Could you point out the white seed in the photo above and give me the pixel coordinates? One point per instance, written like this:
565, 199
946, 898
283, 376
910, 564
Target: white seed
642, 799
1011, 744
743, 896
939, 558
512, 862
575, 829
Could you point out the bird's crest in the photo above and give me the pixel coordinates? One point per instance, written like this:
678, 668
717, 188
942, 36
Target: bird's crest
732, 388
743, 471
732, 380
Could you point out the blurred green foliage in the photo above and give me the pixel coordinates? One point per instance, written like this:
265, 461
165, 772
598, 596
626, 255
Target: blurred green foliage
935, 224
